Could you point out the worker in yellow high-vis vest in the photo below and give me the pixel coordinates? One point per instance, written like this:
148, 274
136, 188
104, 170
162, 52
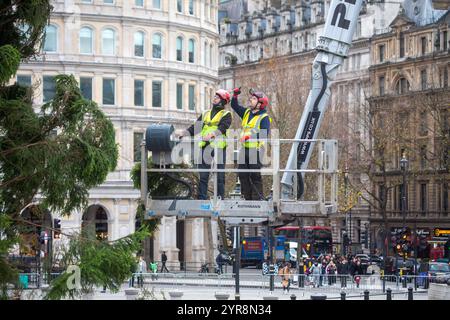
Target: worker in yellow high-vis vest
255, 125
212, 127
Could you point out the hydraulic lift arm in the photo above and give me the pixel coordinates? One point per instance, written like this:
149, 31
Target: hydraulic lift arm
333, 47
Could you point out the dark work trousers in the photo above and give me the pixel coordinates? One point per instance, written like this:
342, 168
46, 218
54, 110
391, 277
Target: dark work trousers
251, 182
207, 156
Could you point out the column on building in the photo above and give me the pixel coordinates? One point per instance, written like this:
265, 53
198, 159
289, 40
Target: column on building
168, 243
198, 249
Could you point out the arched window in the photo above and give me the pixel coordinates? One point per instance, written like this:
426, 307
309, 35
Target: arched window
402, 86
50, 44
157, 46
108, 43
86, 40
179, 49
139, 44
191, 50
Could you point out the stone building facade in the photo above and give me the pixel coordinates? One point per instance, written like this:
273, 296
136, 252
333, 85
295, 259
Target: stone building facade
143, 62
409, 76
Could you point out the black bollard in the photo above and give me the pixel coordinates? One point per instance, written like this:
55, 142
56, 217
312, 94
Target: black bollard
293, 297
366, 294
410, 293
343, 294
388, 294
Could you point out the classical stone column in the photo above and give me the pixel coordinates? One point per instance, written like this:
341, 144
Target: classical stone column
168, 243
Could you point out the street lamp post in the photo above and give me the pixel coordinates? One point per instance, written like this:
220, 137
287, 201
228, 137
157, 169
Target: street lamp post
403, 167
347, 234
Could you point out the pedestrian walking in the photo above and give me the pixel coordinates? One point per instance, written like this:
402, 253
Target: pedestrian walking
301, 273
142, 269
315, 271
154, 270
285, 273
163, 262
343, 272
331, 273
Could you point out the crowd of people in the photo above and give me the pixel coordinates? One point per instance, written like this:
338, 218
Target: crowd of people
325, 270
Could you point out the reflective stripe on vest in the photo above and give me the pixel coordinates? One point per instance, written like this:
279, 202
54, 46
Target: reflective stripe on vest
211, 126
252, 128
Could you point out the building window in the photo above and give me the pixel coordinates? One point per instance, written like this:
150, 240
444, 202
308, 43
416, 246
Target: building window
108, 1
86, 87
381, 52
191, 7
156, 4
381, 85
139, 93
86, 40
49, 88
139, 3
423, 157
423, 79
179, 49
156, 94
423, 44
179, 96
108, 46
137, 140
24, 80
109, 86
445, 197
51, 35
423, 129
157, 46
402, 46
423, 198
191, 97
402, 86
206, 55
445, 78
180, 6
445, 39
191, 51
139, 44
381, 195
211, 54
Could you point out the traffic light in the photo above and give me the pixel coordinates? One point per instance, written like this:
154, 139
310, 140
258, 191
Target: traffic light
56, 228
229, 232
43, 237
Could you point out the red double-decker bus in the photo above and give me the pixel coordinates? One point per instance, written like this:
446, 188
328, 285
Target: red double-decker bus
316, 240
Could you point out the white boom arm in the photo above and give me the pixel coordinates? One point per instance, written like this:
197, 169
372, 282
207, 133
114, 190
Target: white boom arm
333, 47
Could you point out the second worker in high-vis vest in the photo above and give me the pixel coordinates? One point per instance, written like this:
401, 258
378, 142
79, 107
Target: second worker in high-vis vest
212, 127
255, 126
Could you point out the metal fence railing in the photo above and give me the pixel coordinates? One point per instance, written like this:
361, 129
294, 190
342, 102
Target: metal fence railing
325, 283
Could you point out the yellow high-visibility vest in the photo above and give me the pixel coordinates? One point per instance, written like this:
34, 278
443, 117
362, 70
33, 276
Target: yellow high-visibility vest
210, 126
252, 128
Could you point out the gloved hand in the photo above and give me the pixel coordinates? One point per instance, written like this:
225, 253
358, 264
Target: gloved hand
208, 137
245, 138
236, 91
